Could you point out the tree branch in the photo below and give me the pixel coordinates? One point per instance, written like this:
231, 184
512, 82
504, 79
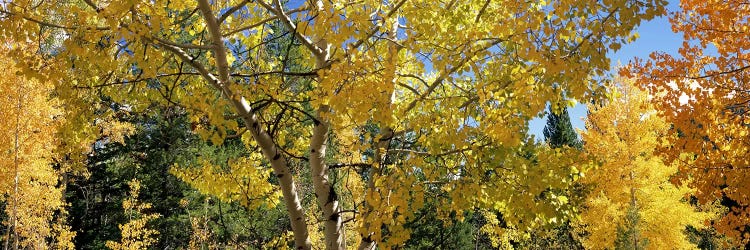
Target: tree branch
715, 74
50, 24
219, 49
375, 29
264, 21
445, 75
184, 45
231, 11
287, 21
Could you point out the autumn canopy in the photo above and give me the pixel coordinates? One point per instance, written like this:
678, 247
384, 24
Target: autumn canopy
369, 124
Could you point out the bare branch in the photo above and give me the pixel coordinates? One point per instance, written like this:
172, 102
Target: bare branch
715, 74
279, 72
192, 62
343, 165
415, 77
413, 90
93, 5
481, 11
375, 29
445, 75
444, 153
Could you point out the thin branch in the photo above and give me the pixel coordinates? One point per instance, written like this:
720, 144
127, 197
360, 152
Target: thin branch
375, 29
587, 37
43, 23
280, 72
343, 165
450, 5
444, 153
315, 120
445, 75
186, 18
415, 77
131, 81
93, 5
261, 22
184, 45
413, 90
287, 21
732, 71
231, 11
195, 64
481, 11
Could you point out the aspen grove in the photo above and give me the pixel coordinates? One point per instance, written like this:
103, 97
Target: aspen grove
326, 124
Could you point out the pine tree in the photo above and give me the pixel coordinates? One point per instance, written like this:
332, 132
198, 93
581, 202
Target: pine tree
559, 130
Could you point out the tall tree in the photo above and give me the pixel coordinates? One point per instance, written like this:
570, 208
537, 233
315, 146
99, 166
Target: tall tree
631, 192
29, 178
455, 83
703, 93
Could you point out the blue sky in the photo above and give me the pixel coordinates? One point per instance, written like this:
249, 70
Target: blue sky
655, 35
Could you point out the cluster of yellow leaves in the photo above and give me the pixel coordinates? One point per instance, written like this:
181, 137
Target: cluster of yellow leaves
624, 135
392, 200
280, 242
496, 78
29, 185
135, 234
501, 236
703, 93
114, 130
241, 180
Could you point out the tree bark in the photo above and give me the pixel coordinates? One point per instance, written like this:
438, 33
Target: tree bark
327, 198
281, 170
324, 192
278, 162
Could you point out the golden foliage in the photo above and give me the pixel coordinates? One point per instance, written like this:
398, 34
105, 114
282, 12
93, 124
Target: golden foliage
456, 81
237, 182
135, 234
623, 135
29, 184
703, 93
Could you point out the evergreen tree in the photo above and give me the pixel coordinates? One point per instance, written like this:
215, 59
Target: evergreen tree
162, 138
559, 131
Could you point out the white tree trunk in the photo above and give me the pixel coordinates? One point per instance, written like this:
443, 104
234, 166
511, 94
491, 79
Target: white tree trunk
265, 142
325, 193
